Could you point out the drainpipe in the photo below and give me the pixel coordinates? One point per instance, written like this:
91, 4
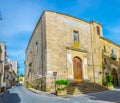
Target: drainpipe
92, 53
42, 56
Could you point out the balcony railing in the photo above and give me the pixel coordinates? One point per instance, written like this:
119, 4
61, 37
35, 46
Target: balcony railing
113, 57
6, 64
76, 44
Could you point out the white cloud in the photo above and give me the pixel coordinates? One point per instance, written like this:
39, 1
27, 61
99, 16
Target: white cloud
17, 54
17, 18
115, 29
87, 4
114, 32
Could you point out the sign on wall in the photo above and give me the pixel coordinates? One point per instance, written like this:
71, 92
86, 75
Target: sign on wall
54, 74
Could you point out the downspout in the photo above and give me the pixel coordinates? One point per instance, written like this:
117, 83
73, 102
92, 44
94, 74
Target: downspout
42, 44
92, 53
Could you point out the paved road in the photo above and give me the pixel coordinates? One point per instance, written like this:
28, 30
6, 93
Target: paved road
21, 95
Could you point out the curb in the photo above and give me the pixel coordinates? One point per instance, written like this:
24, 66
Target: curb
35, 91
38, 91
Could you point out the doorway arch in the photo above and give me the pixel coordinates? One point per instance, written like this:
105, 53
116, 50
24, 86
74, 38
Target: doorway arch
115, 77
77, 68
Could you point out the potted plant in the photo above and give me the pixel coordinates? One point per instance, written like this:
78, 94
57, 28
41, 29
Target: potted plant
61, 84
109, 79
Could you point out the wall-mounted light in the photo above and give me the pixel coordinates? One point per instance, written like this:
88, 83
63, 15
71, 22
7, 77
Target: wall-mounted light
100, 72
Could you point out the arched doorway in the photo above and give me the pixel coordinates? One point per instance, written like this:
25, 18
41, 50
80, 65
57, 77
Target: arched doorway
77, 68
115, 77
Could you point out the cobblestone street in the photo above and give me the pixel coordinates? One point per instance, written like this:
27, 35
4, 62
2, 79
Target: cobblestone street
20, 94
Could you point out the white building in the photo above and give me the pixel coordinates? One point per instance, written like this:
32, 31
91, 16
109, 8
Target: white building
2, 66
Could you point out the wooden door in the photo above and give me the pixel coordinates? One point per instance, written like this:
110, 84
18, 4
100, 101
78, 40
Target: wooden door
77, 66
115, 77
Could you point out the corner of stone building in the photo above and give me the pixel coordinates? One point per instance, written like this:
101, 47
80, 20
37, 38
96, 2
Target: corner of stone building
97, 27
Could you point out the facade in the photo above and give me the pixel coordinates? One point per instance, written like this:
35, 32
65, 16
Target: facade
71, 48
8, 69
2, 66
14, 74
11, 74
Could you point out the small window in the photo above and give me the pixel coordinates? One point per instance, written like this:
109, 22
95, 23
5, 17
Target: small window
36, 47
112, 52
105, 61
104, 48
36, 43
76, 36
30, 64
98, 30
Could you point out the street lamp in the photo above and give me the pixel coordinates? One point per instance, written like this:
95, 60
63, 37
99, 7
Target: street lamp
55, 75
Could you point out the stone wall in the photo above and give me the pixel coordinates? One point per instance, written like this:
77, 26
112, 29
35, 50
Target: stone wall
35, 53
59, 31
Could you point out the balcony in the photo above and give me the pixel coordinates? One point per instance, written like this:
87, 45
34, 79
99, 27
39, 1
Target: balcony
6, 64
10, 69
76, 44
114, 57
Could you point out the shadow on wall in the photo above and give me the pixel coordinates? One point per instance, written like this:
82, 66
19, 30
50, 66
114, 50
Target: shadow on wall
8, 97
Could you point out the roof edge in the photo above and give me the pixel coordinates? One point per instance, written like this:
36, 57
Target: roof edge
34, 30
110, 41
68, 15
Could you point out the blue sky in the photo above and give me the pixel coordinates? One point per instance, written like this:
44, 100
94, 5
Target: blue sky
21, 16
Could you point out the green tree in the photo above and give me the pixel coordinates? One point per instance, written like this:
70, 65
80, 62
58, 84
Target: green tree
21, 75
20, 78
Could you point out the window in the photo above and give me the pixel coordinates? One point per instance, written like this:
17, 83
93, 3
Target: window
76, 36
37, 47
98, 30
76, 39
112, 52
104, 48
30, 64
105, 61
36, 43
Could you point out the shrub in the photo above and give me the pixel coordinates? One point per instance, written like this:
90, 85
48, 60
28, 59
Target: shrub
61, 84
109, 79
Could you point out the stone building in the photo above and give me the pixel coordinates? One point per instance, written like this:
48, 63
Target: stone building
73, 48
8, 69
14, 72
2, 66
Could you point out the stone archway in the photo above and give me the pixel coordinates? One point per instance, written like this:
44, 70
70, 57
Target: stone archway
77, 68
115, 77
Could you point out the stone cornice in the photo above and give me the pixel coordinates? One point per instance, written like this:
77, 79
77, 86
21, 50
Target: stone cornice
76, 49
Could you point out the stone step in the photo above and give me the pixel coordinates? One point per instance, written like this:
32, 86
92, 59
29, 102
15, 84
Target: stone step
84, 87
